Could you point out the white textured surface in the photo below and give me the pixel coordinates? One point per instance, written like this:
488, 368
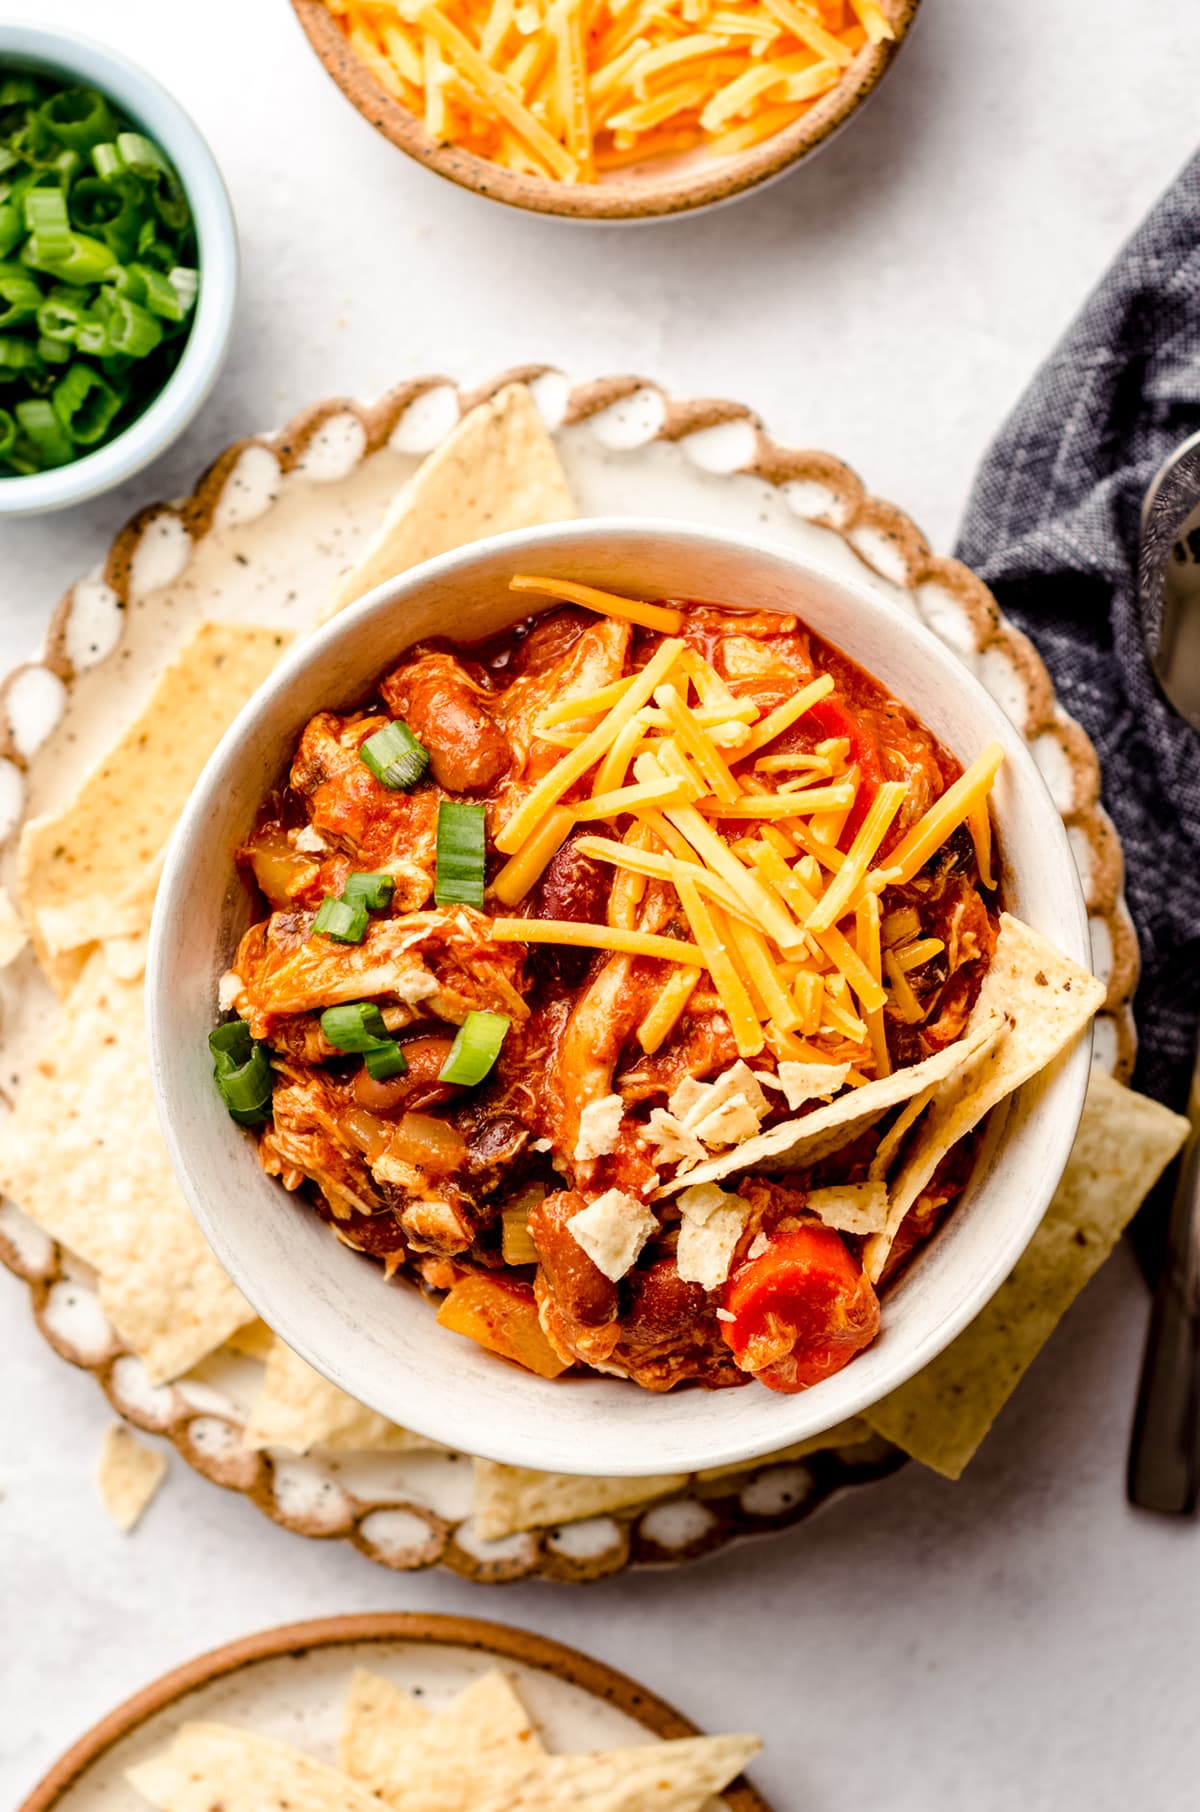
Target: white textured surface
1022, 1638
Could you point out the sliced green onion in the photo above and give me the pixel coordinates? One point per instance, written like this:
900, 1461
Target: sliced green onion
86, 260
8, 433
39, 424
91, 334
107, 161
231, 1040
355, 1026
61, 315
47, 222
242, 1071
385, 1061
20, 91
78, 117
143, 284
395, 757
139, 152
460, 854
475, 1049
54, 351
16, 355
338, 919
130, 327
85, 404
186, 283
372, 891
20, 299
12, 227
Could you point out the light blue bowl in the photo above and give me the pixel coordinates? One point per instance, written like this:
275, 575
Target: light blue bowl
161, 118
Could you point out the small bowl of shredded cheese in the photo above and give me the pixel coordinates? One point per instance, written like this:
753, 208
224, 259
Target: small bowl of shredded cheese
615, 110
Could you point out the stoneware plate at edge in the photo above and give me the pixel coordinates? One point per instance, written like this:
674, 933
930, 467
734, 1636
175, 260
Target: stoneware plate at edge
270, 525
290, 1683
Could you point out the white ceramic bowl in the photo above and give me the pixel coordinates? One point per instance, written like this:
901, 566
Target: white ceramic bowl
380, 1342
75, 59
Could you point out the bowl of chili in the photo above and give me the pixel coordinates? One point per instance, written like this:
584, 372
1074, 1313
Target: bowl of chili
241, 1104
118, 269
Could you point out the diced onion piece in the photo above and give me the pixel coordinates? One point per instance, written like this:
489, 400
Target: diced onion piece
428, 1144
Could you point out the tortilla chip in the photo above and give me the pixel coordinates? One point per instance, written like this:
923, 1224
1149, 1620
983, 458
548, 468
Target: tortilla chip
1047, 1000
298, 1409
254, 1341
91, 869
509, 1499
483, 1739
846, 1434
795, 1144
655, 1777
83, 1156
210, 1766
377, 1711
1125, 1142
13, 935
497, 471
129, 1475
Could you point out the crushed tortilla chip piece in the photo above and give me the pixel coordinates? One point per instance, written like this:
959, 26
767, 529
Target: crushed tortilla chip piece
483, 1741
509, 1499
1047, 1000
1125, 1142
118, 822
497, 470
210, 1766
83, 1156
298, 1409
129, 1475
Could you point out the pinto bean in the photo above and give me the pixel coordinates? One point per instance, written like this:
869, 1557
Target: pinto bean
417, 1088
573, 886
468, 750
580, 1289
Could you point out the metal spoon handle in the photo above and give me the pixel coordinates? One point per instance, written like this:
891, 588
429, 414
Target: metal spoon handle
1164, 1453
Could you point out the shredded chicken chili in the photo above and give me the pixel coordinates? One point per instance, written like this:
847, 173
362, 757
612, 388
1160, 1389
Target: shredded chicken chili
476, 1054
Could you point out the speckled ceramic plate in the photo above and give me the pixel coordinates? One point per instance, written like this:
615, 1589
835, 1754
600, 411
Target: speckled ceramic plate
290, 1683
262, 537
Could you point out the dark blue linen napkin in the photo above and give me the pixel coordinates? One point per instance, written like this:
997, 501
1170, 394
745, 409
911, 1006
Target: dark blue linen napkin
1052, 526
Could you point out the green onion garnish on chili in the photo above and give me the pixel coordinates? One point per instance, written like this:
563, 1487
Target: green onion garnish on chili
386, 1061
460, 854
355, 1026
372, 891
395, 757
358, 1027
344, 922
242, 1071
98, 272
475, 1049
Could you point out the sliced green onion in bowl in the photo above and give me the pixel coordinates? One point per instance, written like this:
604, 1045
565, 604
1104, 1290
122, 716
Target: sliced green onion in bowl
395, 757
78, 118
40, 426
85, 404
47, 223
242, 1071
341, 921
385, 1061
475, 1049
355, 1026
461, 854
374, 891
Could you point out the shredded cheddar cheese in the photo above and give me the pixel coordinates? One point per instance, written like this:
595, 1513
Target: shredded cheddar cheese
560, 90
787, 925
